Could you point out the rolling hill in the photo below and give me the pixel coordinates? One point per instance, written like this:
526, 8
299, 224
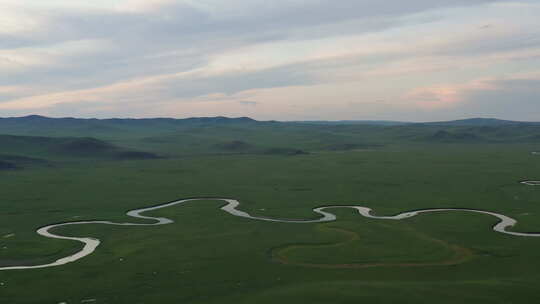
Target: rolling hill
21, 150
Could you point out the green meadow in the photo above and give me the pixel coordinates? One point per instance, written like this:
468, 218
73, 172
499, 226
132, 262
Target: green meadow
275, 170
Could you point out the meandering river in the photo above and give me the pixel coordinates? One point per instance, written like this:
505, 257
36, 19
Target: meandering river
231, 207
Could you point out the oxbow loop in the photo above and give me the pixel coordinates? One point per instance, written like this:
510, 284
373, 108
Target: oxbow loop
90, 244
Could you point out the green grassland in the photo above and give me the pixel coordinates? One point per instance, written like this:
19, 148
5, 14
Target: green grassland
275, 170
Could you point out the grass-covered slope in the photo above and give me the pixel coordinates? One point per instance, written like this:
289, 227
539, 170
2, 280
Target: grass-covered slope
28, 149
221, 135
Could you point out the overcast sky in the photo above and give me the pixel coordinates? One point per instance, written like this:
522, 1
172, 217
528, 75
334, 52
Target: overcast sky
414, 60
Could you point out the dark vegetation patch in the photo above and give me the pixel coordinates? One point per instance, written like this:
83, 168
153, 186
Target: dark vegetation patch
22, 159
132, 155
285, 151
234, 146
4, 165
445, 136
10, 162
239, 146
350, 146
156, 139
91, 147
85, 146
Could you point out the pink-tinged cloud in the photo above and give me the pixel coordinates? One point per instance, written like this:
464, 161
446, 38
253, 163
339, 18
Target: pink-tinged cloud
434, 97
447, 96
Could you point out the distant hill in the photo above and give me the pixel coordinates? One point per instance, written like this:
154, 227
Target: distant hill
40, 124
480, 122
50, 138
460, 122
43, 120
33, 149
445, 136
353, 122
66, 127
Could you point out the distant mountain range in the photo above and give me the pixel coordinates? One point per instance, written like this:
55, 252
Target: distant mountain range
460, 122
112, 128
37, 119
481, 122
44, 119
37, 140
68, 126
354, 122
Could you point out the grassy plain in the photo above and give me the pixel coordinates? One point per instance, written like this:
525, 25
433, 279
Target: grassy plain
208, 256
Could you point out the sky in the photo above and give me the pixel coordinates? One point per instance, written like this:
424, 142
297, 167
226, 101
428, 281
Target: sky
414, 60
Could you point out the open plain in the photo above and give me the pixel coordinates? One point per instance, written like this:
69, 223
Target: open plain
206, 255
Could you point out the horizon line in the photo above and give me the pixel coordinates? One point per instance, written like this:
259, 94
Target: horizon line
270, 120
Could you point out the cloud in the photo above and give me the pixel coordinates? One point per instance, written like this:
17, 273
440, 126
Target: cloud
324, 57
448, 96
15, 21
248, 103
511, 97
142, 6
51, 55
